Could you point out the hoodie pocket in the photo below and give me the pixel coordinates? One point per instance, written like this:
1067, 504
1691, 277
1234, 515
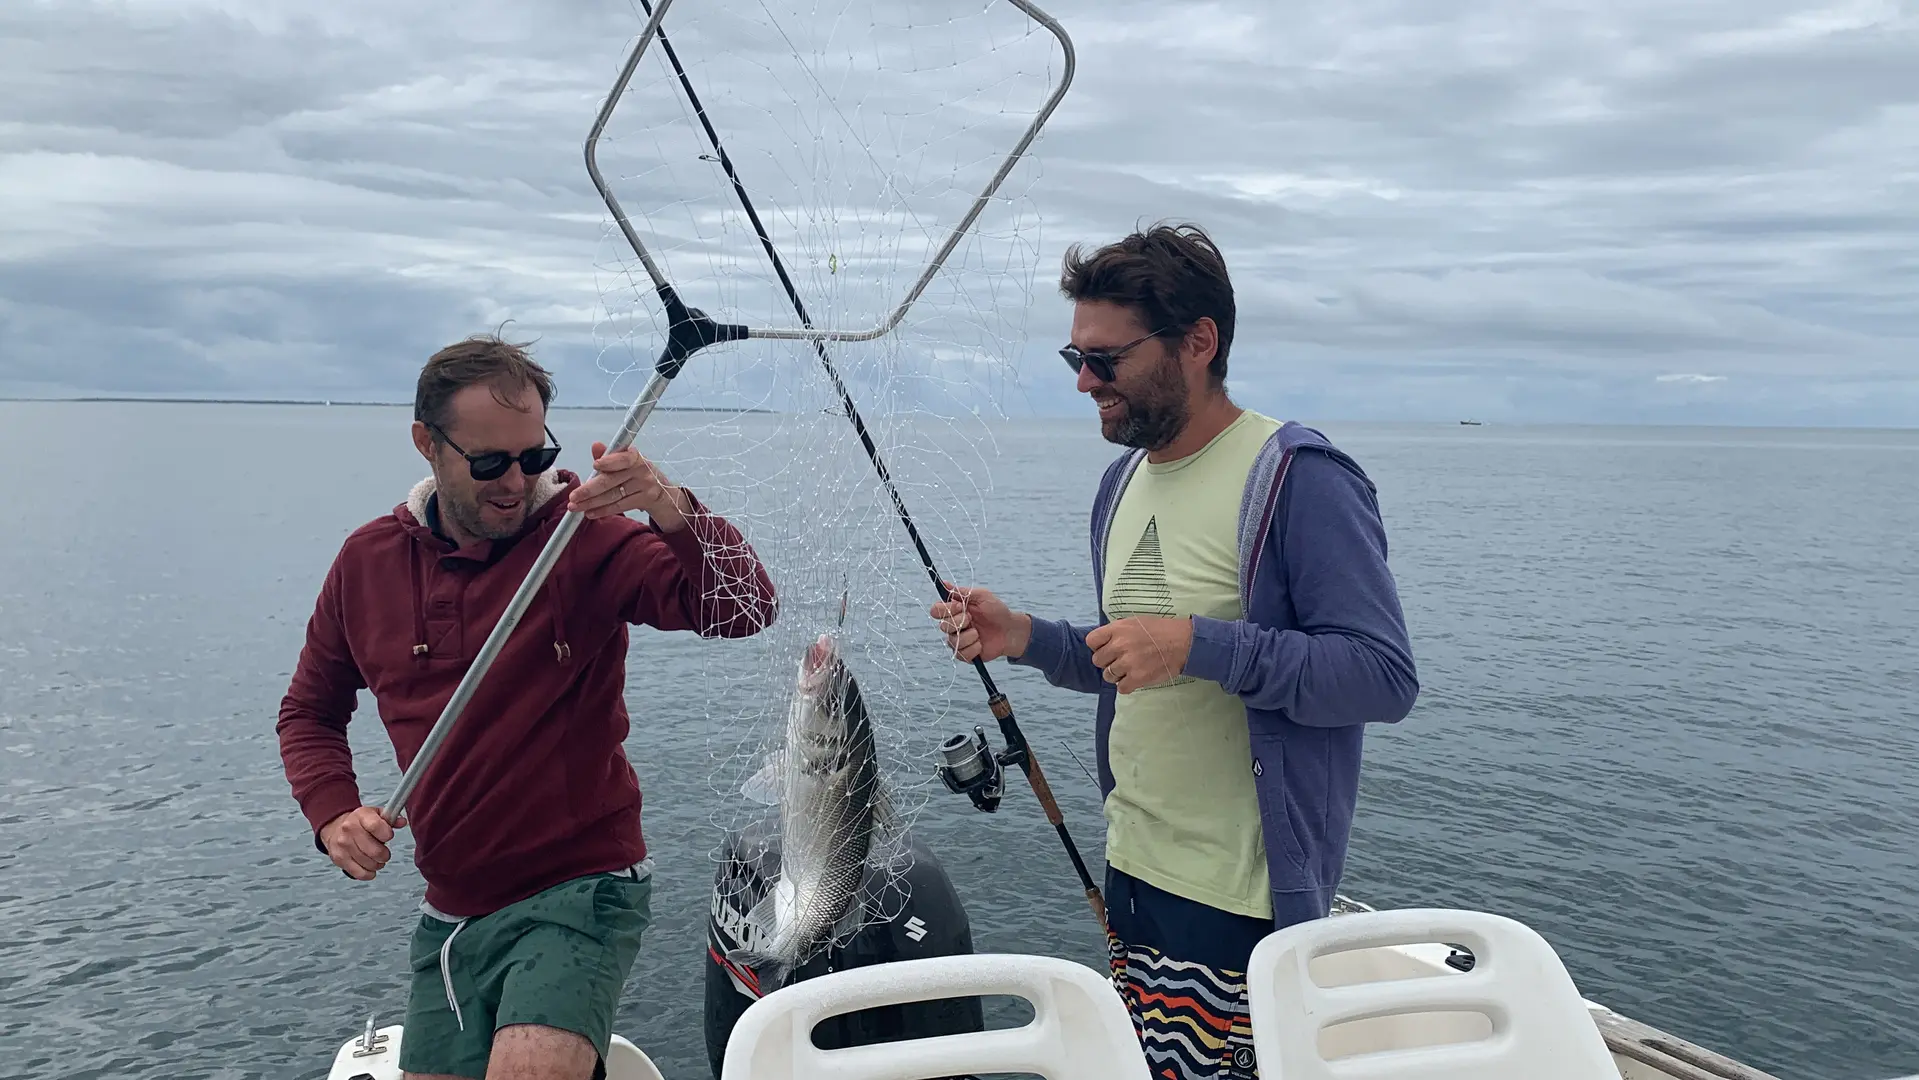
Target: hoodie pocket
1278, 816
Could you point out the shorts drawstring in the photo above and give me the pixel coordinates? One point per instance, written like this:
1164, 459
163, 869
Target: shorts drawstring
446, 973
639, 871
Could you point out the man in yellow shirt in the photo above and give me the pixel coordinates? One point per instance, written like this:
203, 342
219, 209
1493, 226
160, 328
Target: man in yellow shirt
1249, 628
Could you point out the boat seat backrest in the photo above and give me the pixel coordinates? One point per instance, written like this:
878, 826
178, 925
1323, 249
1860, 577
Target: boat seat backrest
1532, 1021
1080, 1029
625, 1061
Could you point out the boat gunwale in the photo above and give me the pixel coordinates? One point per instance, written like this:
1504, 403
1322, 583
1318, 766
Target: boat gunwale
1633, 1040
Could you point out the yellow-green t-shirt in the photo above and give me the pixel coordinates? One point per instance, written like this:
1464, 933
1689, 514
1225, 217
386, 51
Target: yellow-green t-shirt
1183, 814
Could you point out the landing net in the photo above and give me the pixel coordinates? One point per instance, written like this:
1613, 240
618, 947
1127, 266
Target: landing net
862, 131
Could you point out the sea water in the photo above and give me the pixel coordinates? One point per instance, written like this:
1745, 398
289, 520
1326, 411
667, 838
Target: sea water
1668, 717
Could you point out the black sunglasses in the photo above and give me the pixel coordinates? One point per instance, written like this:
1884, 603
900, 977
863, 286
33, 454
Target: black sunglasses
493, 464
1102, 360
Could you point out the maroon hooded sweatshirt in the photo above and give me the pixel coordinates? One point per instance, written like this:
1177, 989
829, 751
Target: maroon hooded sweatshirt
532, 787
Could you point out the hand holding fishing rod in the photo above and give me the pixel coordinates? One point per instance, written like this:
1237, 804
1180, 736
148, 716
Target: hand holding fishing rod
978, 625
980, 628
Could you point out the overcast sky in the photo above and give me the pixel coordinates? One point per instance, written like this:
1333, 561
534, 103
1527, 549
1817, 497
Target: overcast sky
1605, 210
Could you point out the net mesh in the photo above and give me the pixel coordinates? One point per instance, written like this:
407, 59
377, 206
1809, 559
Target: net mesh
862, 131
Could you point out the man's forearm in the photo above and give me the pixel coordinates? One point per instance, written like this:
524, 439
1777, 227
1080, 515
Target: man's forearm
318, 763
319, 703
1348, 659
672, 514
1020, 638
1058, 650
702, 577
1333, 678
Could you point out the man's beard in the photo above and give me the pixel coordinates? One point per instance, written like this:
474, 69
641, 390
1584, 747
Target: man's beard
1154, 413
466, 514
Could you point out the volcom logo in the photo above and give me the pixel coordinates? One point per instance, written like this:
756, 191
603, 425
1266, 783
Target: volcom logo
915, 929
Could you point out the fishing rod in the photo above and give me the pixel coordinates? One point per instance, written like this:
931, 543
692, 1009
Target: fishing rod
969, 766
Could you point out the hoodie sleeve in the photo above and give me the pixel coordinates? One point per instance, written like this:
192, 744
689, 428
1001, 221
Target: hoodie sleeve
1350, 661
314, 714
705, 578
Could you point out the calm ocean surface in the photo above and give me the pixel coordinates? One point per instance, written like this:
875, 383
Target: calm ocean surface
1670, 717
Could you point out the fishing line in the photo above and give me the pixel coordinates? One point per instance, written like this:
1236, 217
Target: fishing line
1018, 751
1082, 765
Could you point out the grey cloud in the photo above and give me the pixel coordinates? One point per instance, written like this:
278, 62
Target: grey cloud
1424, 206
160, 75
1569, 309
1585, 189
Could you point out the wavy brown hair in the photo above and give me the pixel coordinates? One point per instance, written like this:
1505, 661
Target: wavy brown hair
1171, 275
482, 359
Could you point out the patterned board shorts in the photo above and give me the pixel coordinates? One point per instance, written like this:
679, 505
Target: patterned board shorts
1190, 1015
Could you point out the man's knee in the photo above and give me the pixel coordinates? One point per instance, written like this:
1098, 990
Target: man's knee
538, 1052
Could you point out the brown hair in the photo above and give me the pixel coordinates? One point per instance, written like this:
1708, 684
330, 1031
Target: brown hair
482, 358
1172, 275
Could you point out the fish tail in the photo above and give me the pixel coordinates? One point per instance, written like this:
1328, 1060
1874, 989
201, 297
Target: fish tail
772, 970
766, 961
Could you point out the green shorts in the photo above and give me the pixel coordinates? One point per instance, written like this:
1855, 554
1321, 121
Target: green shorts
558, 958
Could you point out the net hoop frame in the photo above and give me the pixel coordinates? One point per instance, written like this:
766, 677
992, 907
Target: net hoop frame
958, 232
690, 330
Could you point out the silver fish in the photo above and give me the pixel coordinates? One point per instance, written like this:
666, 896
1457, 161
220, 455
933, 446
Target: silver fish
826, 783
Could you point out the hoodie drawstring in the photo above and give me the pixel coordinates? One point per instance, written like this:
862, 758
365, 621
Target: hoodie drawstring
555, 595
419, 601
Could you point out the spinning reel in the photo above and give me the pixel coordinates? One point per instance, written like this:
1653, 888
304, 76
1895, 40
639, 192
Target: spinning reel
970, 767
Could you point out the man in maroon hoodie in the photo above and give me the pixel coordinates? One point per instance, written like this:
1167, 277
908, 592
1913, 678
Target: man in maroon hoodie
527, 825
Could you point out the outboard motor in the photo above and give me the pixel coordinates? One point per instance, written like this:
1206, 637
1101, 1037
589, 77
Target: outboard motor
930, 921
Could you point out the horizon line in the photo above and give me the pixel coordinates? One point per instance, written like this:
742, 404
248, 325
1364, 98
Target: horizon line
97, 399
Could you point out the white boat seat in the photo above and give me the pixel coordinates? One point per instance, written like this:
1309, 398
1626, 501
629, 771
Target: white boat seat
1080, 1029
625, 1061
1531, 1020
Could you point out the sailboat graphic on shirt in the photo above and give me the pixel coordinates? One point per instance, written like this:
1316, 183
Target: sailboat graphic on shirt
1141, 587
